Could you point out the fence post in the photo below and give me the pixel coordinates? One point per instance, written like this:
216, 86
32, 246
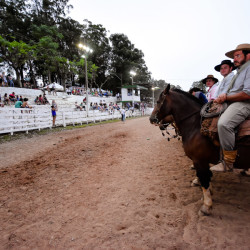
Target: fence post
63, 116
73, 118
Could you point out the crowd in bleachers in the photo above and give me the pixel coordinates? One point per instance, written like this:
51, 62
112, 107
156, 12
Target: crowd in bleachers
104, 107
12, 99
9, 99
41, 100
93, 92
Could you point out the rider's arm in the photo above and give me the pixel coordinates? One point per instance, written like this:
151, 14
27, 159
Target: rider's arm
238, 97
241, 96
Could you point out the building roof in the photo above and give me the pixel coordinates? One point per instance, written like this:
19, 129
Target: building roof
133, 87
129, 101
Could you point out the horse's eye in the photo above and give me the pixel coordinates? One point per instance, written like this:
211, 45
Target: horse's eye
158, 102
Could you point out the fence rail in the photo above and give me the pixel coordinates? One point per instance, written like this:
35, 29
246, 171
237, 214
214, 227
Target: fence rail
21, 119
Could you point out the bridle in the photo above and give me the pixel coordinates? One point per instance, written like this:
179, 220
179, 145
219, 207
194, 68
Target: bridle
158, 110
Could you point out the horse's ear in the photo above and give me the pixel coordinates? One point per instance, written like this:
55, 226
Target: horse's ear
166, 90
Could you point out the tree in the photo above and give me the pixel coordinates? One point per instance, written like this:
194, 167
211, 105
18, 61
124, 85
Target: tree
14, 19
46, 53
71, 31
95, 36
64, 67
16, 54
200, 85
49, 12
124, 58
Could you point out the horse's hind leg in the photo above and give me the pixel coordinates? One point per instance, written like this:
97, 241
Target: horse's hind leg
204, 175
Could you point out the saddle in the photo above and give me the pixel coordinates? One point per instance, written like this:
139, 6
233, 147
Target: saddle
210, 113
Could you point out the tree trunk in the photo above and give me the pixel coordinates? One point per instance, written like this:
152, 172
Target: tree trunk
31, 73
63, 83
18, 77
49, 75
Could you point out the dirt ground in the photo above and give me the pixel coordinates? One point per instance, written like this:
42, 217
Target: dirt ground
114, 186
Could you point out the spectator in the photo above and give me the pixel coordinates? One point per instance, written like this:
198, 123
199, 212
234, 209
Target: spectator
21, 98
53, 89
18, 104
198, 93
37, 100
123, 113
53, 110
48, 89
6, 99
45, 100
12, 97
22, 104
82, 106
25, 103
10, 80
4, 80
40, 99
78, 106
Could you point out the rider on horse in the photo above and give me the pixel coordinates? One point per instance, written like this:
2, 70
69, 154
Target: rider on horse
211, 83
238, 98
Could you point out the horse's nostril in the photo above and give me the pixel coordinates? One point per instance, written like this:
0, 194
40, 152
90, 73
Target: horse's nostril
153, 120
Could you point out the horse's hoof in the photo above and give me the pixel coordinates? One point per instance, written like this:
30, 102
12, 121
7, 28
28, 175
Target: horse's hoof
195, 182
245, 173
192, 167
205, 210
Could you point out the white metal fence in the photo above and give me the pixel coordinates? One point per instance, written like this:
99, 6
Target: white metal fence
23, 119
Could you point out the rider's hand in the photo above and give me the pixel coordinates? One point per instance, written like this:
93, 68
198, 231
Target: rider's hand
221, 98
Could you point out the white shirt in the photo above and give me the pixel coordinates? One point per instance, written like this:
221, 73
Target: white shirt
224, 84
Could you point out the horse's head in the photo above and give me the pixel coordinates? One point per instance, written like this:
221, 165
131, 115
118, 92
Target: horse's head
161, 108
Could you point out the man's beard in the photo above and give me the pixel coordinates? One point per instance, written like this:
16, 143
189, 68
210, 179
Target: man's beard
240, 63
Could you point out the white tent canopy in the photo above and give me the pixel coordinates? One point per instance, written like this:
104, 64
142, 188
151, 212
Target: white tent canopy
56, 86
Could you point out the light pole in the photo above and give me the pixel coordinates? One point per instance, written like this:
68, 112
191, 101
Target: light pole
153, 90
132, 73
87, 51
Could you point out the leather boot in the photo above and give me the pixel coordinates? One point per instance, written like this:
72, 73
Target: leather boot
228, 162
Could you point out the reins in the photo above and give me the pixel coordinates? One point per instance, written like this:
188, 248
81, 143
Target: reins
168, 135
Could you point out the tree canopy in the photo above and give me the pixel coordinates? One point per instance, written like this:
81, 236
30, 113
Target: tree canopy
40, 40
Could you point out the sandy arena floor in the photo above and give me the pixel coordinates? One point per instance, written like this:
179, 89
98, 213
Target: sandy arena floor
114, 186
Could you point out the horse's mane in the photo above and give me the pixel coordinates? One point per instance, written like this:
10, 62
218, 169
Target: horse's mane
197, 100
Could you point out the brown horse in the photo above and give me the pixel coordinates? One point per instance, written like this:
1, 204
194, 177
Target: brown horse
185, 109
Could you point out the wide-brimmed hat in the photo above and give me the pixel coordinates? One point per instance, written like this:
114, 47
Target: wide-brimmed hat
228, 62
243, 46
209, 77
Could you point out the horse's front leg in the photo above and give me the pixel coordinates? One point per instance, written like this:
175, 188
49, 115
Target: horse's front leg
204, 175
